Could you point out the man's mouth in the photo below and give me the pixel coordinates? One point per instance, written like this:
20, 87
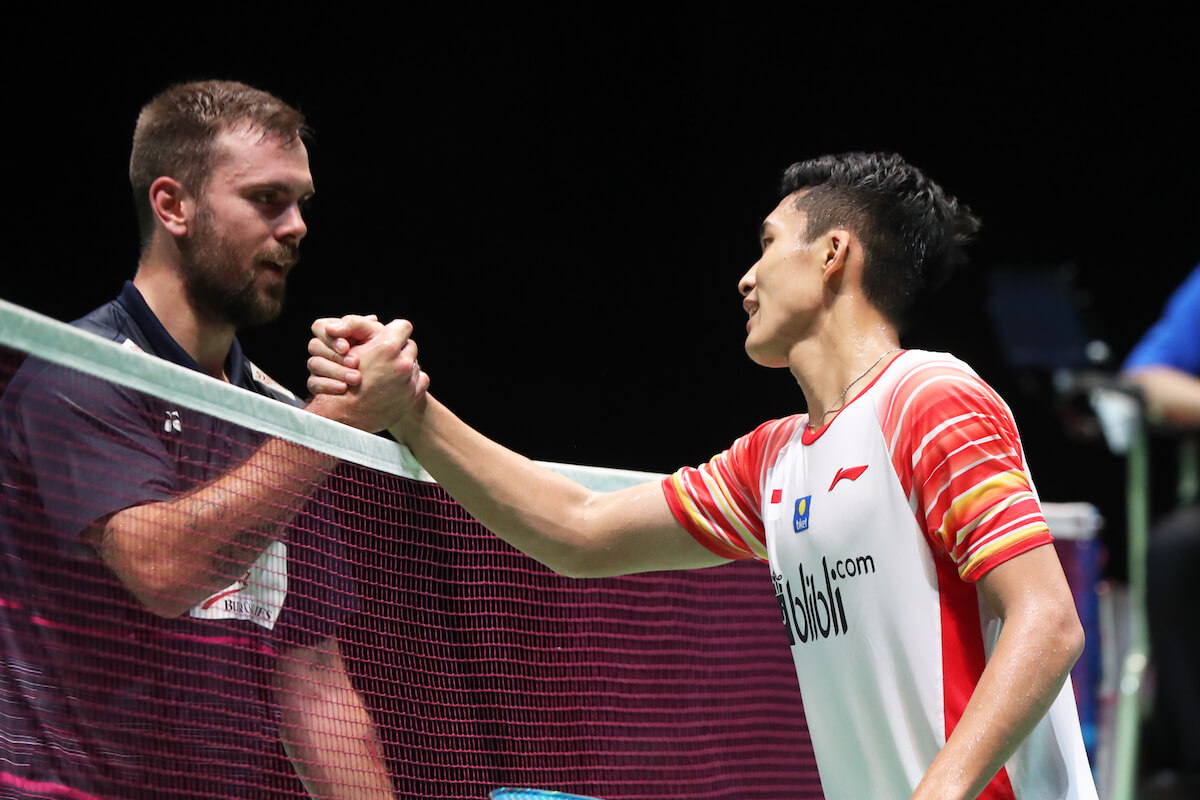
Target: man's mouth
280, 265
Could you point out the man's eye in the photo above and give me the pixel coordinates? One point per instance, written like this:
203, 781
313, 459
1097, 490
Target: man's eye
265, 197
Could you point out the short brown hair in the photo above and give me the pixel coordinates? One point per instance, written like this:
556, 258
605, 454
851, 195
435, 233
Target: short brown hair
176, 130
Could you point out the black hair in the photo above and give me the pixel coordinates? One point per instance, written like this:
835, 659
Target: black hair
912, 231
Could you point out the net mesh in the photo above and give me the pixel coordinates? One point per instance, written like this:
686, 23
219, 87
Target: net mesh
192, 607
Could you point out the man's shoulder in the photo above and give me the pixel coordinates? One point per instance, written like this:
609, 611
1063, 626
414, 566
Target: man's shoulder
42, 391
36, 373
915, 359
923, 384
769, 441
1174, 339
1188, 292
113, 322
914, 369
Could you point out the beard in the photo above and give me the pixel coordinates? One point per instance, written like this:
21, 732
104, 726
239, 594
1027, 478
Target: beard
222, 288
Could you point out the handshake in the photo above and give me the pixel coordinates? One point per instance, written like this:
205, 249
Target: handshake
364, 373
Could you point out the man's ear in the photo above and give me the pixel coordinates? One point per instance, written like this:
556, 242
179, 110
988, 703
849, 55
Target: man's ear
836, 243
172, 205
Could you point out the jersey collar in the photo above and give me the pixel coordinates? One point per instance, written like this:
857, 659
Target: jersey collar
164, 346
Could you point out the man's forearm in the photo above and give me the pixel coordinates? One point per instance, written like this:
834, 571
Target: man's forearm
1172, 397
1012, 697
326, 728
173, 554
544, 518
549, 517
1040, 640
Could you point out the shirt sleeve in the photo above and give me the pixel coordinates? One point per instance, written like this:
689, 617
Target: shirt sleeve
1173, 341
955, 448
720, 503
87, 448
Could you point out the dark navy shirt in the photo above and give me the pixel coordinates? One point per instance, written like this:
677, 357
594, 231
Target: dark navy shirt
97, 693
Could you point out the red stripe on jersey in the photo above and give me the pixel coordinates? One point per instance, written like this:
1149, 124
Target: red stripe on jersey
720, 502
721, 547
957, 454
963, 656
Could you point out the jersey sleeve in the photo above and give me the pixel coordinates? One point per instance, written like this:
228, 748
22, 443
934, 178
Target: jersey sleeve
720, 503
86, 447
1173, 341
955, 448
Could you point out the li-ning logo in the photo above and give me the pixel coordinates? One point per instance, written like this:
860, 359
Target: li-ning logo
849, 473
171, 423
817, 611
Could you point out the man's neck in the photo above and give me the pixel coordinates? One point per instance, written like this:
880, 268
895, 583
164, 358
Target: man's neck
206, 341
840, 359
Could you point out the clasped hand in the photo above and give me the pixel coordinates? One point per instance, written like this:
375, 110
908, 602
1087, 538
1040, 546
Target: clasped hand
364, 373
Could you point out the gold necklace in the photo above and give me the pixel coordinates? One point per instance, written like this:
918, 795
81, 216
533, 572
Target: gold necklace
835, 406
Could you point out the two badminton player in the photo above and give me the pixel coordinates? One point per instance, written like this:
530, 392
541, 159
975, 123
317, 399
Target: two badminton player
929, 619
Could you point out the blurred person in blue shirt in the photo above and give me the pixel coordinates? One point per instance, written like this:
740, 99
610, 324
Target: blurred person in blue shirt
1165, 365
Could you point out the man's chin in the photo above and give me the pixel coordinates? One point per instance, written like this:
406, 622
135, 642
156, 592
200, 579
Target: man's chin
261, 310
765, 359
264, 315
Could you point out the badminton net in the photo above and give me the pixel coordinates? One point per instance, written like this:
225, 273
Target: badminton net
376, 597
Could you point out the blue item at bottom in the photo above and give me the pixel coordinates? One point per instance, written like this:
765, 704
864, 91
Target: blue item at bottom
533, 794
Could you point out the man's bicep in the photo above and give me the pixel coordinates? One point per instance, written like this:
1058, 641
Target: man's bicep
1032, 582
968, 472
643, 532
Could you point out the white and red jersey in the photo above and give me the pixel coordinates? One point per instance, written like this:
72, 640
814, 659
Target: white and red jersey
876, 528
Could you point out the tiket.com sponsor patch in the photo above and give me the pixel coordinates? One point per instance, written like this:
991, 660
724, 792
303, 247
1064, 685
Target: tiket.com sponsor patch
800, 518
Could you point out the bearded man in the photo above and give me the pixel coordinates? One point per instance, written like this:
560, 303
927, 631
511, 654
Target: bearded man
166, 619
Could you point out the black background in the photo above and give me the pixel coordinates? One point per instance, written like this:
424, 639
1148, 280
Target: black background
563, 202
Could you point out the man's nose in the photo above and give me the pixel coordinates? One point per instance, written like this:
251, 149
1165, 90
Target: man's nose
292, 226
746, 284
